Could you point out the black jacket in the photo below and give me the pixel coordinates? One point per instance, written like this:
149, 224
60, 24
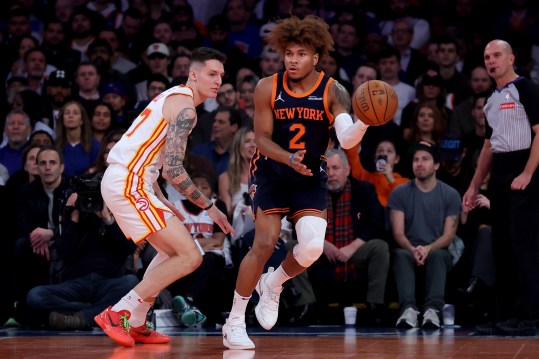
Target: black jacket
33, 206
366, 211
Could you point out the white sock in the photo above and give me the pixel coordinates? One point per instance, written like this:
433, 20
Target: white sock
239, 305
138, 315
129, 302
277, 278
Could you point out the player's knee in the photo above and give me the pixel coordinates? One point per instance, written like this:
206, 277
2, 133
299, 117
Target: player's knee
307, 254
311, 232
264, 245
194, 261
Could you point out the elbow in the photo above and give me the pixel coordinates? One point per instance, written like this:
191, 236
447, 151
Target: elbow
347, 142
166, 175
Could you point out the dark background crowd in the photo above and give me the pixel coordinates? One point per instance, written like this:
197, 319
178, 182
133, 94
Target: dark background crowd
77, 73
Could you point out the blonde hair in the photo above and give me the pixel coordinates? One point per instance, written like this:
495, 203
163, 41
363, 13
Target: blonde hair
236, 162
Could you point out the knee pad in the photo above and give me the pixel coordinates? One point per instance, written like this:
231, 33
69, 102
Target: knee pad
311, 232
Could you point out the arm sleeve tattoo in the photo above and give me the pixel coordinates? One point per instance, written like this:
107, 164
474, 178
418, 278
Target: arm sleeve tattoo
175, 147
342, 96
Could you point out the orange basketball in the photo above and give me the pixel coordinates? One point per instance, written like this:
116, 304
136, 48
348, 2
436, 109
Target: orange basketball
375, 102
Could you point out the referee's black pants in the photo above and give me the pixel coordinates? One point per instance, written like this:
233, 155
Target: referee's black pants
515, 230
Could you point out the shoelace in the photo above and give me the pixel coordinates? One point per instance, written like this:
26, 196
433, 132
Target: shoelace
150, 326
237, 332
273, 299
124, 323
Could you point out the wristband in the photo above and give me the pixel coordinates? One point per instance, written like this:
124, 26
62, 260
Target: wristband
210, 206
290, 159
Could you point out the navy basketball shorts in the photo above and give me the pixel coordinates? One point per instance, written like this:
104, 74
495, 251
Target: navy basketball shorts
278, 189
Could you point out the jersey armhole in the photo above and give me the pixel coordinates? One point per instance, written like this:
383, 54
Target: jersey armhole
326, 102
274, 89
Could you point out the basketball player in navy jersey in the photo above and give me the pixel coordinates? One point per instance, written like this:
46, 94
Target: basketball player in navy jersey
294, 112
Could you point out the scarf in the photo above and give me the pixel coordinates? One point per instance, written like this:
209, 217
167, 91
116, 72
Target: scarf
340, 230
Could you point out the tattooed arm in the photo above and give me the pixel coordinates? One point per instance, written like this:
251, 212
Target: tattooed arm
348, 133
340, 101
175, 146
180, 125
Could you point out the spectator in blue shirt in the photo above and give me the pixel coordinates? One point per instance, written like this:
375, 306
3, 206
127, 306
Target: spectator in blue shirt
17, 129
74, 138
225, 124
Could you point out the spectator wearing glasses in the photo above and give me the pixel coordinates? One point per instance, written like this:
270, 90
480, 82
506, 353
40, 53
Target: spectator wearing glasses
155, 85
158, 60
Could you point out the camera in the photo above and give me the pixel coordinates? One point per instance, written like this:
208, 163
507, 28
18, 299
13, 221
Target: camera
88, 189
381, 162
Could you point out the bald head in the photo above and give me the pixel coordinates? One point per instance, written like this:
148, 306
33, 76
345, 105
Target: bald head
499, 60
501, 44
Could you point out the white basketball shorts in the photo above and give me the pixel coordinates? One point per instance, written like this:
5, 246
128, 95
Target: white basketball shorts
133, 202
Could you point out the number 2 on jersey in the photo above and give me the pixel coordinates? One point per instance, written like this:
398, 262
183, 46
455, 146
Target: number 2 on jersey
143, 116
295, 142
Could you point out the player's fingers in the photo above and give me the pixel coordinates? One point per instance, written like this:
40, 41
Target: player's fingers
181, 217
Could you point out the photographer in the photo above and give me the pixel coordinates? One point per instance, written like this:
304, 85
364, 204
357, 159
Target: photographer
93, 251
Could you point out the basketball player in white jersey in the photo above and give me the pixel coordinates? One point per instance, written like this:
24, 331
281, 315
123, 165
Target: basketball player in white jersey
158, 138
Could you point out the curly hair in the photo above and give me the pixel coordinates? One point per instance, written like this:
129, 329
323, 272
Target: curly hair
311, 31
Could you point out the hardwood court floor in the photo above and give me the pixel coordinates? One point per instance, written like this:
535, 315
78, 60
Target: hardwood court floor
327, 342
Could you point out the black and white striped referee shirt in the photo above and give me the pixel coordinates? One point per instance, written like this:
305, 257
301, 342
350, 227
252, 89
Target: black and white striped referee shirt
511, 112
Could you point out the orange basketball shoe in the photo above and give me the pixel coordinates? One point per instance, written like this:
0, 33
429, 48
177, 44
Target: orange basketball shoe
116, 326
146, 335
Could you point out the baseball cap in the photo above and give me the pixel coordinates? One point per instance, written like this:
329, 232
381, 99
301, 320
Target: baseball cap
451, 146
218, 23
427, 146
59, 78
266, 29
113, 87
269, 51
432, 77
158, 48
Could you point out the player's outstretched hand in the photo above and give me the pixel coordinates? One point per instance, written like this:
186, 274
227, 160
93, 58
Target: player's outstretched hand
220, 219
295, 163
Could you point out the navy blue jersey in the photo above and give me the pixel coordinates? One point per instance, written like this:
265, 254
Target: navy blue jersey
302, 121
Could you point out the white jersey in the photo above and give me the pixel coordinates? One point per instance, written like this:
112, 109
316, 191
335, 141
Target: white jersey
140, 148
199, 225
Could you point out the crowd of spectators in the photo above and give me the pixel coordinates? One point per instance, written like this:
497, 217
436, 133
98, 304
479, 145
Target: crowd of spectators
77, 73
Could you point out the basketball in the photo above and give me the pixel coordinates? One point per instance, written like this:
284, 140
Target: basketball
375, 102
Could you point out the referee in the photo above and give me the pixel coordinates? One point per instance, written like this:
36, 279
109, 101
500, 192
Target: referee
511, 154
